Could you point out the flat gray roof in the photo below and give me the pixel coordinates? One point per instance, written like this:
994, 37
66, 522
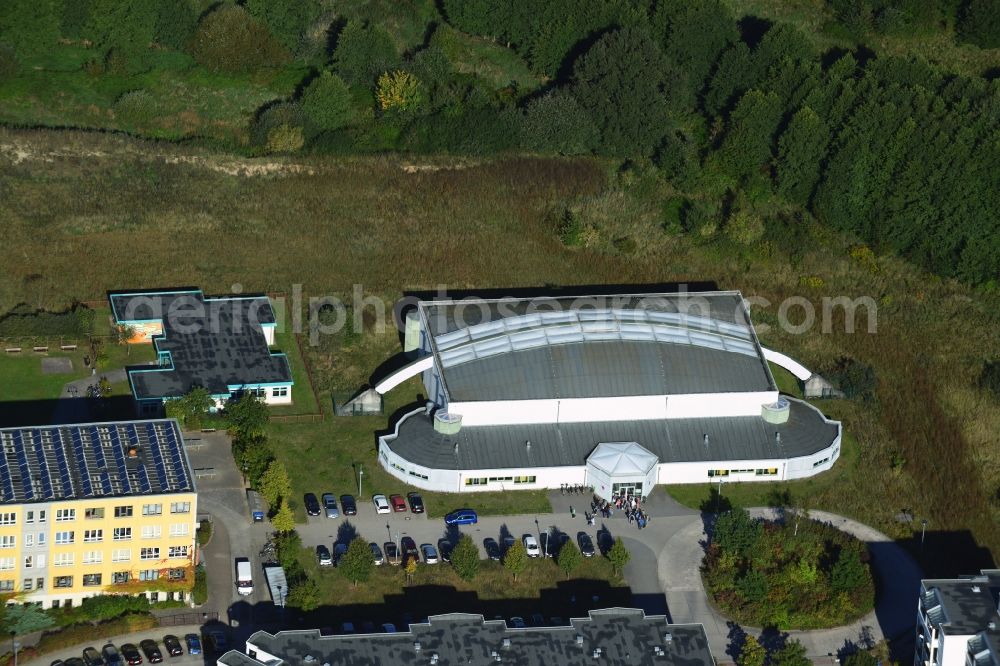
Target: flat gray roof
215, 343
624, 636
969, 604
564, 444
46, 463
596, 369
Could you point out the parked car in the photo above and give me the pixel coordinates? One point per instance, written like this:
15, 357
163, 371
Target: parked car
57, 662
391, 552
347, 627
389, 628
429, 553
112, 657
445, 547
323, 556
172, 645
73, 661
131, 654
376, 554
381, 504
91, 657
348, 505
151, 650
537, 620
216, 640
368, 627
517, 622
339, 549
416, 502
531, 546
461, 517
492, 548
548, 545
586, 544
312, 504
409, 548
193, 643
330, 505
397, 502
508, 541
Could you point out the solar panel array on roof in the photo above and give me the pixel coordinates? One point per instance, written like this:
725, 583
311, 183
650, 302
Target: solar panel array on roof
92, 460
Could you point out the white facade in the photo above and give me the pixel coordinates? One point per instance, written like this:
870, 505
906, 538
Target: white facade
725, 471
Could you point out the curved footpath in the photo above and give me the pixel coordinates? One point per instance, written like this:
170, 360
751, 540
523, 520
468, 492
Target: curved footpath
897, 576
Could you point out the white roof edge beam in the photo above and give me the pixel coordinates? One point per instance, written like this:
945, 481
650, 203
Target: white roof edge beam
404, 373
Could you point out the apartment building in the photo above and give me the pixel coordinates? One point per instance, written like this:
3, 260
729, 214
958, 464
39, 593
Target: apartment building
96, 508
957, 621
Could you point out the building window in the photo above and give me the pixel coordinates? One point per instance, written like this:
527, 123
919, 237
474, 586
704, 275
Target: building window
416, 474
501, 479
29, 540
177, 551
6, 586
93, 536
63, 538
62, 515
123, 511
718, 472
41, 516
29, 517
821, 462
176, 574
152, 509
63, 559
91, 580
27, 584
149, 554
279, 391
180, 529
478, 481
768, 471
93, 557
8, 518
9, 541
121, 555
149, 574
154, 597
41, 538
524, 479
123, 533
7, 563
180, 507
62, 581
94, 513
55, 603
152, 532
39, 583
28, 561
120, 577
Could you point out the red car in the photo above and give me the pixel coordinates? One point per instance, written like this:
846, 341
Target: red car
397, 502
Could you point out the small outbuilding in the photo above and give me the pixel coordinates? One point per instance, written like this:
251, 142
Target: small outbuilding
621, 468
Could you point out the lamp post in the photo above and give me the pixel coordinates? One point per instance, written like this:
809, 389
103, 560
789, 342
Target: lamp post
361, 473
281, 597
397, 546
923, 533
244, 474
14, 645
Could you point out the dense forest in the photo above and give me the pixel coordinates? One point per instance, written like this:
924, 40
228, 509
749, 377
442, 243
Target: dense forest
749, 120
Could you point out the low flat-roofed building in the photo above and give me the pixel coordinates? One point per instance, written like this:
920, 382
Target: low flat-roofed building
958, 620
218, 343
521, 392
610, 636
96, 508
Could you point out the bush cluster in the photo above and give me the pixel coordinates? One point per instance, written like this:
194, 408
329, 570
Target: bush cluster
230, 40
26, 322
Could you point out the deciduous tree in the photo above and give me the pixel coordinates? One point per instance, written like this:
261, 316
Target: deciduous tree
465, 558
246, 415
618, 555
515, 560
358, 562
326, 101
752, 653
364, 51
569, 557
284, 519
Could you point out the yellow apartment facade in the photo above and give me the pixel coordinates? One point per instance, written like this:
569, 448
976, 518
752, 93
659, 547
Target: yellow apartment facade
96, 508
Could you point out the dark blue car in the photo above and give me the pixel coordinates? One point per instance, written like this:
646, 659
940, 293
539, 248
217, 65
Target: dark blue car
461, 517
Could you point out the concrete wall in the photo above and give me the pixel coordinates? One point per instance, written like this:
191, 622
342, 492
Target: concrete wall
622, 408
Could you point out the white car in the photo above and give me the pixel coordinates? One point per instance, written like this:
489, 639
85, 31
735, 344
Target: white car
381, 504
531, 546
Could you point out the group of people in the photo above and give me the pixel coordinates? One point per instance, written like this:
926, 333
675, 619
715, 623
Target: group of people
629, 504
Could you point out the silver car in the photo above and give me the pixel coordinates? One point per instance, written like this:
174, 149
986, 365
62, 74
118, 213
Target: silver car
330, 505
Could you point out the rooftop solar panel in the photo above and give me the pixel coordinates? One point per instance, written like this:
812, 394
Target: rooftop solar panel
144, 479
7, 484
43, 466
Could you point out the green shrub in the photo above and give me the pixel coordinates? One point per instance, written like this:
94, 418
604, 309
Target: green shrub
854, 378
204, 532
327, 103
556, 123
175, 23
200, 590
363, 52
744, 227
672, 213
230, 40
9, 64
989, 378
571, 229
136, 106
23, 321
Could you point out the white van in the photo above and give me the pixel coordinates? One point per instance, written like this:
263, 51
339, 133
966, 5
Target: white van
244, 578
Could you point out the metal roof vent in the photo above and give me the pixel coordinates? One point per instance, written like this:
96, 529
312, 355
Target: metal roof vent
447, 423
527, 446
579, 639
416, 646
596, 654
668, 637
506, 642
991, 625
309, 659
428, 408
434, 658
976, 589
706, 439
777, 437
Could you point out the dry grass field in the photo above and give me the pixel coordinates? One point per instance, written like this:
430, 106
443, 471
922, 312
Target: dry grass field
84, 213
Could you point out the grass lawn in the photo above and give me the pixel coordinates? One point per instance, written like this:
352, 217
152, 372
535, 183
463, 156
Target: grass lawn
436, 588
786, 381
303, 396
346, 442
